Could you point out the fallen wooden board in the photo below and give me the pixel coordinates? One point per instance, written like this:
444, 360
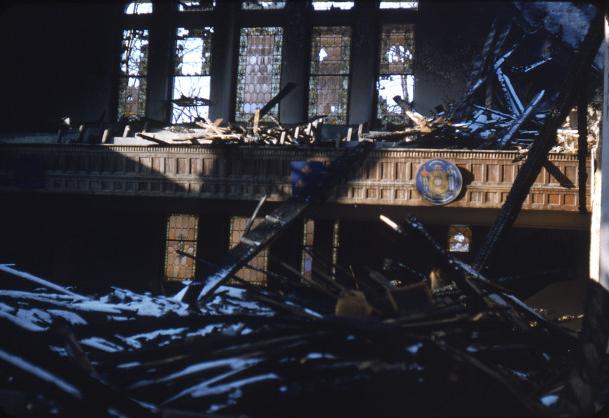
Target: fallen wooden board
274, 223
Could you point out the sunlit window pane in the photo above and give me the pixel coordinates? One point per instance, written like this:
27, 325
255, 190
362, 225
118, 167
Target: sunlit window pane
397, 49
134, 57
182, 233
133, 72
388, 87
132, 96
396, 70
328, 5
196, 5
257, 5
330, 65
138, 8
192, 79
399, 4
259, 73
193, 51
260, 261
190, 98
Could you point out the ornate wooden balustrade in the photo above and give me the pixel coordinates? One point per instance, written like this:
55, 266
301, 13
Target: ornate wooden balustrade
248, 172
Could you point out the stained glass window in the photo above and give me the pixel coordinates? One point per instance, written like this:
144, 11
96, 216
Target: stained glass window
138, 8
259, 72
328, 5
196, 5
257, 5
330, 64
191, 75
396, 75
133, 72
399, 4
335, 245
182, 236
306, 268
260, 261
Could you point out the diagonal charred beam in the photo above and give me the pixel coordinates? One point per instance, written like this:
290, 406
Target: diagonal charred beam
276, 99
275, 223
539, 151
459, 272
560, 176
506, 139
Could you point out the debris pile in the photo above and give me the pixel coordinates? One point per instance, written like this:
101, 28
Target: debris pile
567, 136
513, 88
312, 347
208, 132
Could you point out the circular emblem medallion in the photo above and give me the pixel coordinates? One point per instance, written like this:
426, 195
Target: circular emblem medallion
439, 181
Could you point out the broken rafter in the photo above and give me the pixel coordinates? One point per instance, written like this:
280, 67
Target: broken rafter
505, 140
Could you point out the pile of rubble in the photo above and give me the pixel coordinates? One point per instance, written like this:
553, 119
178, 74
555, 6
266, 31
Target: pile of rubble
208, 132
311, 347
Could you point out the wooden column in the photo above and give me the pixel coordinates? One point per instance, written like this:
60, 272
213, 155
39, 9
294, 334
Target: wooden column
322, 244
295, 67
160, 59
363, 63
224, 50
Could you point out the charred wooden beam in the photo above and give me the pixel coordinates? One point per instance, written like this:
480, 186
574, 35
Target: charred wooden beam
459, 272
505, 140
563, 180
275, 223
276, 99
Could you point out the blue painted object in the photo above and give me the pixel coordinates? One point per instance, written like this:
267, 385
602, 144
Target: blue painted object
306, 175
439, 181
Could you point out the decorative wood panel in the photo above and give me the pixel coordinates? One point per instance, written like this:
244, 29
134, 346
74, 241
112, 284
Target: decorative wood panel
246, 173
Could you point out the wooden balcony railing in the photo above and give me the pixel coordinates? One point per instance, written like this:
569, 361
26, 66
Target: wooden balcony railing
248, 172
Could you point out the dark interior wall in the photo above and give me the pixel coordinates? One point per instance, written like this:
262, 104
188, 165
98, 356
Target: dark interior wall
449, 36
98, 241
58, 59
79, 240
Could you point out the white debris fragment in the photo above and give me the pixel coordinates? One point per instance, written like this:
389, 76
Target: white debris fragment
135, 341
549, 400
101, 344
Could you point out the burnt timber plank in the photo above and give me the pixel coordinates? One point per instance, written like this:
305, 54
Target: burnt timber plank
274, 223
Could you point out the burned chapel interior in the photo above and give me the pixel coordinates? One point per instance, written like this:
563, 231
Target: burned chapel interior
222, 208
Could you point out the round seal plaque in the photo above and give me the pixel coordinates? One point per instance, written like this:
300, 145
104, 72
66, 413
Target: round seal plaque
439, 181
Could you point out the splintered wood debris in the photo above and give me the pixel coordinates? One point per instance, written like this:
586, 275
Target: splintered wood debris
301, 349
